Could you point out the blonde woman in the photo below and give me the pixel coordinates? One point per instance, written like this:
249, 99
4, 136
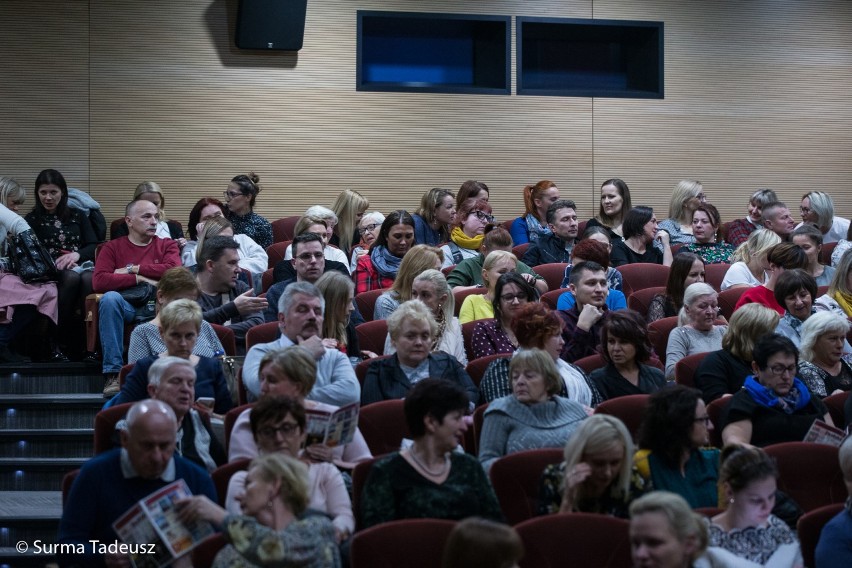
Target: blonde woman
349, 207
688, 194
418, 259
750, 266
481, 306
433, 218
597, 474
252, 256
338, 329
838, 299
431, 288
166, 229
311, 223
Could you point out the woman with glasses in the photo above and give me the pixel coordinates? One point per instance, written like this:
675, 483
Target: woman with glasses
496, 335
532, 225
368, 230
379, 268
817, 210
688, 194
468, 231
698, 332
436, 213
674, 439
240, 198
278, 426
481, 306
773, 406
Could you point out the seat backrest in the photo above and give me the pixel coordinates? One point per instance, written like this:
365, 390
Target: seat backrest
640, 300
263, 333
516, 479
476, 368
551, 297
267, 279
715, 273
715, 410
372, 335
599, 540
809, 473
629, 409
447, 269
276, 251
283, 229
383, 426
467, 336
67, 482
553, 273
413, 543
229, 421
728, 300
361, 368
825, 253
359, 478
460, 294
366, 302
519, 250
590, 363
686, 368
205, 553
641, 275
105, 422
226, 338
222, 476
123, 372
810, 526
658, 335
835, 404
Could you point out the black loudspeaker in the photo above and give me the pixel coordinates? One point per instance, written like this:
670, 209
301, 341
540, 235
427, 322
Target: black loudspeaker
271, 24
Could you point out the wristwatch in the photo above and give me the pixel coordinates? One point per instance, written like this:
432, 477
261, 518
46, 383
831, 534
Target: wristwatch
130, 268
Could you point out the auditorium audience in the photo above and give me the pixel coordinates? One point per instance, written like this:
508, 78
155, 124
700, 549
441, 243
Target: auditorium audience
412, 330
338, 325
166, 228
809, 239
774, 406
368, 229
614, 204
600, 235
835, 541
750, 265
687, 268
429, 479
320, 223
821, 364
482, 543
472, 218
378, 269
708, 240
240, 198
481, 306
640, 232
697, 332
252, 258
777, 218
495, 335
349, 207
838, 298
416, 260
740, 229
625, 348
556, 246
468, 273
307, 265
471, 189
597, 474
533, 416
686, 197
582, 323
795, 291
434, 217
817, 210
534, 224
593, 250
781, 257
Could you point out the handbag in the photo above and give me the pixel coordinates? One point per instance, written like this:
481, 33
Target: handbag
143, 297
30, 260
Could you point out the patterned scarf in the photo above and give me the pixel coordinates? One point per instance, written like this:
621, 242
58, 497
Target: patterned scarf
798, 397
386, 264
535, 228
461, 239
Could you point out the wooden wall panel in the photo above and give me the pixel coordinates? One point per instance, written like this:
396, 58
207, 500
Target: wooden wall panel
757, 94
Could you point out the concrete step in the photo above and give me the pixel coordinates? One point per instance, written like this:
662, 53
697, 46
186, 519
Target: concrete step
49, 411
35, 474
43, 443
47, 378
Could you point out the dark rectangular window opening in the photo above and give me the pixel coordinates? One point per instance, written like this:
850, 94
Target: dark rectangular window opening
590, 58
441, 53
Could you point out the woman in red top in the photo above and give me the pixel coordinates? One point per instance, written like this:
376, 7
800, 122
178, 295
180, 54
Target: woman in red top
378, 269
781, 257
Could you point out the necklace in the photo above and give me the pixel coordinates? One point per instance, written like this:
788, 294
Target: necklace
439, 473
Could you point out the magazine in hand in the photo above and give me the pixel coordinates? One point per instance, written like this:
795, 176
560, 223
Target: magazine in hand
153, 520
332, 428
822, 433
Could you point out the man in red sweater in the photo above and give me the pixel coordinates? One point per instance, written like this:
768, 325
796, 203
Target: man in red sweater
124, 262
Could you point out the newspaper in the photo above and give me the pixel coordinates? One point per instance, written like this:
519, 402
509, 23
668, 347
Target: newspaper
332, 428
822, 433
153, 520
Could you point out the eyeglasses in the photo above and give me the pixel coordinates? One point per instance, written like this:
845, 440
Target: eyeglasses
231, 194
701, 197
781, 370
805, 210
287, 429
509, 298
705, 419
483, 216
368, 228
306, 256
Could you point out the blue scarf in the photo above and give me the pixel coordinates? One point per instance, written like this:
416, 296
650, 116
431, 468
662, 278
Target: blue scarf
535, 229
798, 397
386, 264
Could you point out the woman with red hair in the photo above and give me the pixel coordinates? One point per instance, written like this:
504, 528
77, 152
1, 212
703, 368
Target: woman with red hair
532, 225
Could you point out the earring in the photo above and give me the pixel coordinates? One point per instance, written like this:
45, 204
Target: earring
731, 501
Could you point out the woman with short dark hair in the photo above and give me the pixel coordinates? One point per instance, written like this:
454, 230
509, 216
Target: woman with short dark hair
795, 291
640, 231
429, 479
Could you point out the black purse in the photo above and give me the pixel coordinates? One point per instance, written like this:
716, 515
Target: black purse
30, 260
143, 297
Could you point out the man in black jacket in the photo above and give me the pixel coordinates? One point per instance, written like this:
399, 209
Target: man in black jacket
556, 247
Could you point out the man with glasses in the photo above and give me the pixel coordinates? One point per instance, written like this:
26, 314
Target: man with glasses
583, 322
555, 247
225, 299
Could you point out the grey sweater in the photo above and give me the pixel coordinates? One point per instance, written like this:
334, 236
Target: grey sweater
684, 341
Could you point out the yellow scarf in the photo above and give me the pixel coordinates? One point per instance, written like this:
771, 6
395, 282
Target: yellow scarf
461, 239
845, 302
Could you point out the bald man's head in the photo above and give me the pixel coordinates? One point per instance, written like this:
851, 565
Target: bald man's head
150, 437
